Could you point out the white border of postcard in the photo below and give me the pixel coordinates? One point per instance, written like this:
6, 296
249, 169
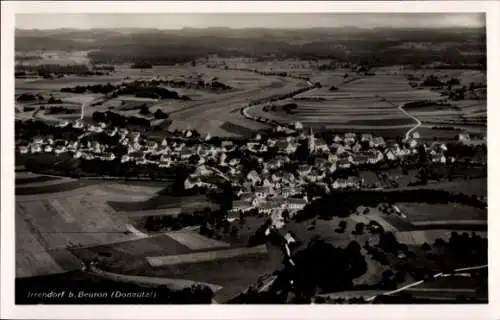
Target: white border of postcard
10, 311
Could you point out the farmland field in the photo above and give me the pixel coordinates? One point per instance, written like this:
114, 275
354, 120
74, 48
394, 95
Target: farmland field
48, 224
419, 237
421, 212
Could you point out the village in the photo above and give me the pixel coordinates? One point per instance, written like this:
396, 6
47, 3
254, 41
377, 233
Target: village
266, 183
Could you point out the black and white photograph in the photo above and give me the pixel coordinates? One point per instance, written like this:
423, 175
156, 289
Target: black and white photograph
246, 158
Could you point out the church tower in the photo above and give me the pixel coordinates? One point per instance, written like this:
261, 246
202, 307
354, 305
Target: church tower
312, 143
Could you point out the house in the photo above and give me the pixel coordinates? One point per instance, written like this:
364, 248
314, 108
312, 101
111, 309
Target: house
253, 146
77, 124
304, 169
23, 149
125, 158
375, 157
296, 204
185, 154
367, 137
298, 126
253, 176
359, 158
227, 144
340, 150
343, 163
378, 142
316, 175
288, 191
337, 139
234, 162
77, 154
60, 149
288, 176
321, 145
263, 192
356, 147
151, 145
412, 143
274, 164
290, 148
463, 137
108, 156
192, 181
289, 238
241, 205
350, 182
349, 137
390, 155
438, 158
271, 142
38, 140
48, 148
247, 196
62, 124
320, 162
416, 135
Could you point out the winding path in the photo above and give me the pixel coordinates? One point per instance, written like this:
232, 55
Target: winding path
419, 123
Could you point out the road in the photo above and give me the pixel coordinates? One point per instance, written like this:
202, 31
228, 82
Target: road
436, 276
419, 123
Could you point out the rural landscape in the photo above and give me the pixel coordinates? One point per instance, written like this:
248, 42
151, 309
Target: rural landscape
220, 165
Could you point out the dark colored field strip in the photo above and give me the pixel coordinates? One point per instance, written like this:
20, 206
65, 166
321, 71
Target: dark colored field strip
28, 180
63, 186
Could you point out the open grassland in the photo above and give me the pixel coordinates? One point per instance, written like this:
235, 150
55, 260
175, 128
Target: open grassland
419, 237
196, 257
423, 212
196, 241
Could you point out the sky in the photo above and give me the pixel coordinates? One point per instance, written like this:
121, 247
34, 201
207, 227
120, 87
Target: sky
248, 20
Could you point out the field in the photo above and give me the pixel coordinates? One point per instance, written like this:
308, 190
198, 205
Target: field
197, 257
360, 103
55, 214
423, 212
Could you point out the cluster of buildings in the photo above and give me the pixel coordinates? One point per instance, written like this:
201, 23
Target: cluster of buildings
271, 187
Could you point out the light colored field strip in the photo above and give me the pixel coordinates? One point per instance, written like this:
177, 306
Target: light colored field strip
36, 264
45, 183
452, 222
450, 290
173, 284
149, 213
137, 233
204, 256
196, 241
63, 213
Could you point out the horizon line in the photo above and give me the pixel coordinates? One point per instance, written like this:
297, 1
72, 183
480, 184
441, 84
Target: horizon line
251, 28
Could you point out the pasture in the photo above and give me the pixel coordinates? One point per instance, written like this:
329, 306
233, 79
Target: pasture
419, 237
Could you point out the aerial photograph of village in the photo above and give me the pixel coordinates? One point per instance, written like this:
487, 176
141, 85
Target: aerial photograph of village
251, 158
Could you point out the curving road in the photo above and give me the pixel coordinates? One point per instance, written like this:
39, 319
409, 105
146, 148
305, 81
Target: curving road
436, 276
419, 123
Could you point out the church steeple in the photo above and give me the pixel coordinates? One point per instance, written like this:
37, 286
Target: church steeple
312, 143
